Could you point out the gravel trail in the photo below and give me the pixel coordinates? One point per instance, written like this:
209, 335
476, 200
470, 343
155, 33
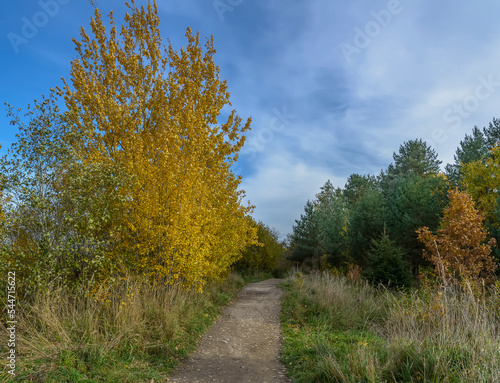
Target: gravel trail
243, 345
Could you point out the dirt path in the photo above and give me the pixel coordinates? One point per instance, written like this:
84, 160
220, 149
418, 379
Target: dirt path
243, 345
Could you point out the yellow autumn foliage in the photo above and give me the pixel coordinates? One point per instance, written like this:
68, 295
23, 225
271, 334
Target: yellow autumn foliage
481, 179
458, 249
264, 255
154, 112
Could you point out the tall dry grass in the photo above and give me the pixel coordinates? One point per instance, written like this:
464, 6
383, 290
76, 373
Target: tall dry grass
340, 331
130, 331
447, 334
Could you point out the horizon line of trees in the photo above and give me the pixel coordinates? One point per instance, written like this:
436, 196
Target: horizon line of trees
388, 225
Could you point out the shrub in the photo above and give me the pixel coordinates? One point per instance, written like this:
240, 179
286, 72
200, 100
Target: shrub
385, 263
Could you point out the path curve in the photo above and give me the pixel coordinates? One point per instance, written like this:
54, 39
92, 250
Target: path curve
243, 345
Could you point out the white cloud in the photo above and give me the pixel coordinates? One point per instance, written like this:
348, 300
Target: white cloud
349, 116
281, 187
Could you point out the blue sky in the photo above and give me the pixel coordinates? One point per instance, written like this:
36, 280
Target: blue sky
333, 87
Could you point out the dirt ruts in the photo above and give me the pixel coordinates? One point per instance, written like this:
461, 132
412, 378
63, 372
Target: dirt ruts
243, 345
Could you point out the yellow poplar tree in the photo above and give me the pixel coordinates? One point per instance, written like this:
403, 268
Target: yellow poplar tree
265, 254
153, 112
481, 179
3, 201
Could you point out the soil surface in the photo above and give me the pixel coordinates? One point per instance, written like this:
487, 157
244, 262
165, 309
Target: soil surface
243, 345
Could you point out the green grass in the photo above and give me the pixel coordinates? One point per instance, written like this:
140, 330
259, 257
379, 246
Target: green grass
338, 331
131, 334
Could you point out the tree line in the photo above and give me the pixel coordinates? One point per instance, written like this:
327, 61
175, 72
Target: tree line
411, 216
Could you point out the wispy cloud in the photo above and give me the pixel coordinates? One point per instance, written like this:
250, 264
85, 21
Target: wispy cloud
423, 58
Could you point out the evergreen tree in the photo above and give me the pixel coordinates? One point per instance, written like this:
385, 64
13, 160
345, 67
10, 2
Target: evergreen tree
331, 214
415, 201
492, 133
304, 240
366, 221
385, 263
357, 185
414, 157
472, 148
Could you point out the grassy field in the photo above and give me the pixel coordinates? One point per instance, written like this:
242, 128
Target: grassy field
129, 334
341, 331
